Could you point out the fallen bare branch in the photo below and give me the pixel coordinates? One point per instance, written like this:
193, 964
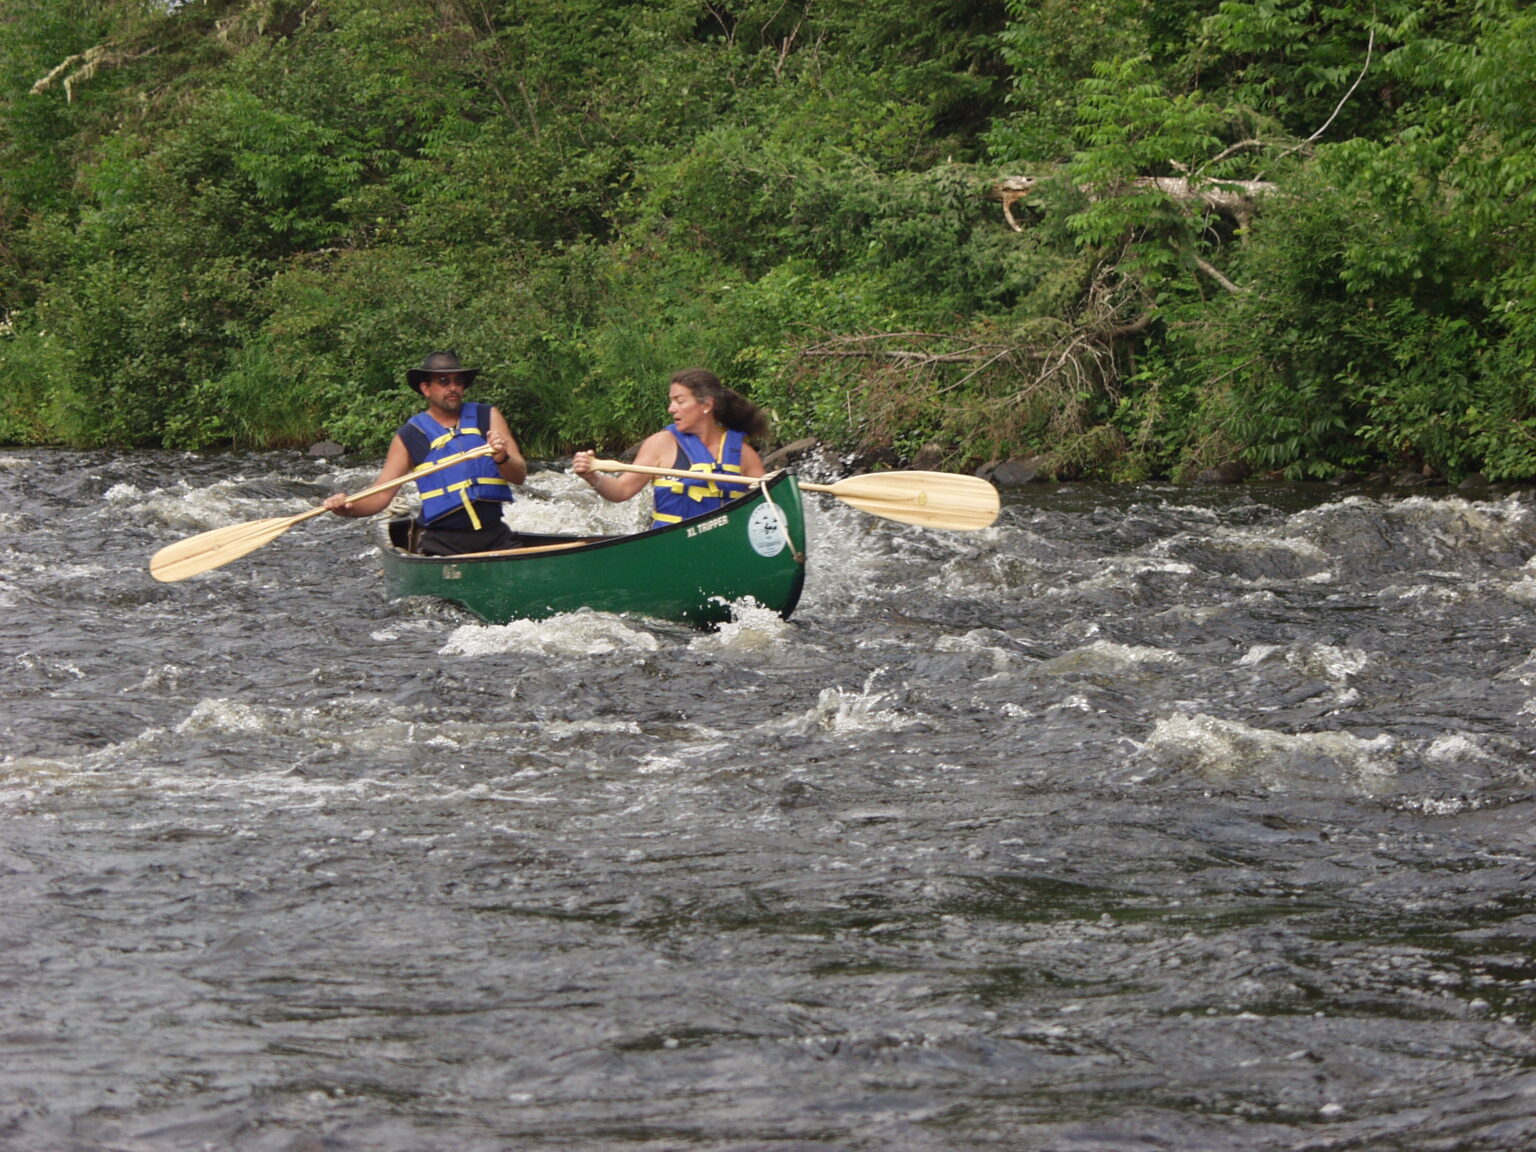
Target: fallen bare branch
1215, 274
1370, 46
1235, 198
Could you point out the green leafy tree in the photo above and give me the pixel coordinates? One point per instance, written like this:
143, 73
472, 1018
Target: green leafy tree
1265, 228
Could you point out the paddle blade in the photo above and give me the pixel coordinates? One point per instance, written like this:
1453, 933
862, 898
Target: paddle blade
927, 499
211, 549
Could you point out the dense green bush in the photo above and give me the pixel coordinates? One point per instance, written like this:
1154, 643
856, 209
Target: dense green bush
237, 222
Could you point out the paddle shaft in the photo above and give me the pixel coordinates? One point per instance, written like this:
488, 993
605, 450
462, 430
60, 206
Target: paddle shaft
803, 485
415, 473
215, 548
386, 485
523, 551
927, 499
620, 466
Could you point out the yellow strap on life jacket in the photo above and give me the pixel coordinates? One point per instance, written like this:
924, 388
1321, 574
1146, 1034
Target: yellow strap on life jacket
697, 492
456, 487
434, 445
462, 488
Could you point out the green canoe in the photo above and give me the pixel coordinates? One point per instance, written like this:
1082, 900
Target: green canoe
753, 546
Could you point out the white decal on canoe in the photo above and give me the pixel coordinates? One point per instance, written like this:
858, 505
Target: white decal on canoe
764, 532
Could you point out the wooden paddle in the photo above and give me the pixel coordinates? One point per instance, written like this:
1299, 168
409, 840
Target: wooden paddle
524, 551
927, 499
211, 549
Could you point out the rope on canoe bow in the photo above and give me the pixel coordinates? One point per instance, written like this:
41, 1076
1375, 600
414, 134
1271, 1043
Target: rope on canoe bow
783, 523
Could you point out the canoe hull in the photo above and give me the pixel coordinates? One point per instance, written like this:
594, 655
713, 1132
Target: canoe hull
689, 572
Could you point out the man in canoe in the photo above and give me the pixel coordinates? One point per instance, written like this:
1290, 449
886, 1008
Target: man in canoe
461, 506
710, 427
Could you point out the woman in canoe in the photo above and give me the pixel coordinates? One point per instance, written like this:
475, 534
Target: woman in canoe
710, 427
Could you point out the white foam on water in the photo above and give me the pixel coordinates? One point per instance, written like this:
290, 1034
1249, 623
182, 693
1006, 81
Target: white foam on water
22, 779
752, 630
1427, 593
560, 503
1229, 751
1116, 572
1451, 526
1104, 656
1459, 748
223, 716
1323, 661
123, 493
49, 668
572, 729
844, 559
583, 633
60, 573
1441, 806
980, 640
1522, 591
152, 759
1259, 653
166, 677
1327, 662
1263, 541
1074, 703
227, 501
196, 509
653, 765
696, 748
145, 759
387, 733
974, 567
1493, 520
845, 713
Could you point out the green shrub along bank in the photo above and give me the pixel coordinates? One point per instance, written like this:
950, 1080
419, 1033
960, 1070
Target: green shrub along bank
1129, 239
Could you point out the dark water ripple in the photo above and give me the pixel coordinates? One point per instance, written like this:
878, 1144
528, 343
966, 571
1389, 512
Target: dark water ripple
1151, 818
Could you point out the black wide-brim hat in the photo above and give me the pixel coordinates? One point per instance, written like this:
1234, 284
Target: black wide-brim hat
437, 363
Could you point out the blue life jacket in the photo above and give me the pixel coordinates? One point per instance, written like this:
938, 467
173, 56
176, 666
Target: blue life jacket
679, 499
457, 488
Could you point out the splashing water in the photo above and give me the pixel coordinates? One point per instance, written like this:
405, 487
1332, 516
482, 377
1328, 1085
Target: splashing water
1148, 817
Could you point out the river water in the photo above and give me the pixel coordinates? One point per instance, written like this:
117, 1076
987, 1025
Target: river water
1149, 818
